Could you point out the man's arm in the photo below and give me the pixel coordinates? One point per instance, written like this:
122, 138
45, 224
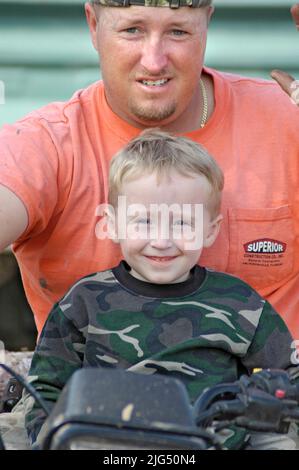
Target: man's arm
13, 217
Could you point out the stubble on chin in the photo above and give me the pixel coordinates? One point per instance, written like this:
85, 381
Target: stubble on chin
151, 114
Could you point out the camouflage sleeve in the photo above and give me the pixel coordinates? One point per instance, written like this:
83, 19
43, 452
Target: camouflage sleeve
272, 345
58, 354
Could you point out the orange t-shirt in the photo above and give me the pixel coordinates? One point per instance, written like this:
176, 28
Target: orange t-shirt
56, 160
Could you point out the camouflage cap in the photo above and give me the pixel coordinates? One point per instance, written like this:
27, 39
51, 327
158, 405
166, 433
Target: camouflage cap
155, 3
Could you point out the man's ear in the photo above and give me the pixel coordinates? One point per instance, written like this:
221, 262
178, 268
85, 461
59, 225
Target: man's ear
211, 10
92, 22
212, 231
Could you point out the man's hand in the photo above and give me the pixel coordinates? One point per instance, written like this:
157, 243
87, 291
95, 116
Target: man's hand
286, 81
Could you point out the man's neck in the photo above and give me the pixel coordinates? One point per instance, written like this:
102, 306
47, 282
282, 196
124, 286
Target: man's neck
190, 120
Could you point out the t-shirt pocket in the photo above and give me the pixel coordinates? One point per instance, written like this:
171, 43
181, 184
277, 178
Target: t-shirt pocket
261, 245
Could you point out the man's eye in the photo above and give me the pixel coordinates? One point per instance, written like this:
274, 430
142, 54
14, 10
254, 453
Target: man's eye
178, 32
132, 30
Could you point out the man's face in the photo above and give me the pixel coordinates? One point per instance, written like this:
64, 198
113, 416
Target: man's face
151, 61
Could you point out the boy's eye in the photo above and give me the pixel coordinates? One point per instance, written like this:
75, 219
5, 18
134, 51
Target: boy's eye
180, 222
144, 221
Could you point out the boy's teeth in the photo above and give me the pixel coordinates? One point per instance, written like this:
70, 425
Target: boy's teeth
154, 83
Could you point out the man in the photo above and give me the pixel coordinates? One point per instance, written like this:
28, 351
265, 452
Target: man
53, 165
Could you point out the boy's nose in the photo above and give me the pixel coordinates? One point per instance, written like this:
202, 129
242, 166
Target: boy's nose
161, 243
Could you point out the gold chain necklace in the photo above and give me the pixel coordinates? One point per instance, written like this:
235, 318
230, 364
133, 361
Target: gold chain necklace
204, 115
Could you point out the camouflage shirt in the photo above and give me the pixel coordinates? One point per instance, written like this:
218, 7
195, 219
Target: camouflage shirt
209, 329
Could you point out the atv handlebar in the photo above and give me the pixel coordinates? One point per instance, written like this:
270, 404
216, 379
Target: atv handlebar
265, 401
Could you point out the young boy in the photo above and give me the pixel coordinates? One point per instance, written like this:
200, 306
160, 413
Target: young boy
158, 311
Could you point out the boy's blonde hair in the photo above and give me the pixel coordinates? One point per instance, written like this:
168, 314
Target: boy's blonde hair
154, 151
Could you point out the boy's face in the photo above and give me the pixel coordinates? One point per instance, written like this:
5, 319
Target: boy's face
166, 226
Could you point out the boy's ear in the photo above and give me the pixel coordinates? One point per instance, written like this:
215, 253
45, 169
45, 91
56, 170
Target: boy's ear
111, 224
213, 231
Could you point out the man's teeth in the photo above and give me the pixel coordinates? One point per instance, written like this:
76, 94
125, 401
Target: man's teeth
155, 83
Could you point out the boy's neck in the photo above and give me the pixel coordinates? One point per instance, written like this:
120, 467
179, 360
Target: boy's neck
136, 275
148, 289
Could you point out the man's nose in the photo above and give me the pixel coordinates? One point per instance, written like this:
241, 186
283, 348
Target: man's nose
154, 58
